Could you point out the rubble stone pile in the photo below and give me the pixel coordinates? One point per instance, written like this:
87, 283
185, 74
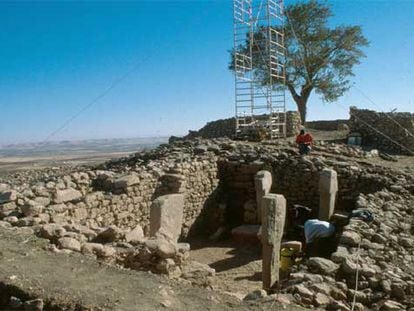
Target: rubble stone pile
381, 252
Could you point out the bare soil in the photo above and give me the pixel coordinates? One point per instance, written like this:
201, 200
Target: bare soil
75, 282
238, 266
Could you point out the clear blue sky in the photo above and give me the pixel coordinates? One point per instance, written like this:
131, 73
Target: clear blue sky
56, 57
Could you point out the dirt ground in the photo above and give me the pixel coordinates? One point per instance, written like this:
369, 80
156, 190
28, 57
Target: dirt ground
75, 282
238, 266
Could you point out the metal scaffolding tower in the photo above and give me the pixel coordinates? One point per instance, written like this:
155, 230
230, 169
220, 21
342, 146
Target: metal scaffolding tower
259, 67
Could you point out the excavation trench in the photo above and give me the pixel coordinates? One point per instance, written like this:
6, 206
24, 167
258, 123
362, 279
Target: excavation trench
237, 257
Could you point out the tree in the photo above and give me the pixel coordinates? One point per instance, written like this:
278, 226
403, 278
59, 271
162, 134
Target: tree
318, 58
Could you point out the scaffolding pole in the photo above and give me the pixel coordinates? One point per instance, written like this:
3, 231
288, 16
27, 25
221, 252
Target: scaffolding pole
259, 70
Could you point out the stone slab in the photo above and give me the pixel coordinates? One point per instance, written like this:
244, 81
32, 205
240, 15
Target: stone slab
166, 216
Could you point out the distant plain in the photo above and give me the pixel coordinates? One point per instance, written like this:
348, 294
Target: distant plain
40, 155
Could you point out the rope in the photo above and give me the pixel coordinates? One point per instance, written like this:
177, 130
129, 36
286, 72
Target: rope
356, 276
379, 132
386, 114
114, 84
366, 123
355, 87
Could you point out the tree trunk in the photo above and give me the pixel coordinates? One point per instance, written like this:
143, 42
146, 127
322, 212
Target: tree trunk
301, 100
302, 110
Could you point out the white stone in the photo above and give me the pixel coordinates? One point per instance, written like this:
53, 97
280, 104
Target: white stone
136, 235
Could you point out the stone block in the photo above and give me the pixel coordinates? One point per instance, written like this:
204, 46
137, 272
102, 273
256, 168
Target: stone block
67, 195
126, 181
166, 216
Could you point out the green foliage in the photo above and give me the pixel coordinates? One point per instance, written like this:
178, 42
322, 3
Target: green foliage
318, 57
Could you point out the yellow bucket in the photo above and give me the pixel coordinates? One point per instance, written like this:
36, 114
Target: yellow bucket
286, 258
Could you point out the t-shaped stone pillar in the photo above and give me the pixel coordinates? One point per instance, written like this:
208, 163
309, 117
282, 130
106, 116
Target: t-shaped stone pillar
328, 186
262, 184
273, 222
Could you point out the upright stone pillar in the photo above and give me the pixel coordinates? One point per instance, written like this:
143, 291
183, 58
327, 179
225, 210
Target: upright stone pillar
328, 187
166, 216
273, 222
262, 184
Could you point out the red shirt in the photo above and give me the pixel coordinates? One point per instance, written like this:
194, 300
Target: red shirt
306, 139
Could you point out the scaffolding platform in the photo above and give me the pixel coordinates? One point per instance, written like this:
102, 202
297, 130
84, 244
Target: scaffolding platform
259, 69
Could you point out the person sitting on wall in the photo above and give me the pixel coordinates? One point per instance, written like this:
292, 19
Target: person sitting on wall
304, 141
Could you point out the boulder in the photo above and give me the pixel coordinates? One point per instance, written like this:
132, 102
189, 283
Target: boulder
350, 238
8, 196
196, 270
52, 231
135, 236
303, 291
322, 265
349, 267
69, 243
340, 255
163, 248
44, 201
321, 299
11, 219
67, 195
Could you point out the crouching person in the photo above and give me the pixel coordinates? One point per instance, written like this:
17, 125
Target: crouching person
304, 141
320, 238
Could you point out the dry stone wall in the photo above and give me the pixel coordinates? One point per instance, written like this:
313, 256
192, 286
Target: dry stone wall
328, 125
216, 177
226, 127
297, 178
101, 198
399, 127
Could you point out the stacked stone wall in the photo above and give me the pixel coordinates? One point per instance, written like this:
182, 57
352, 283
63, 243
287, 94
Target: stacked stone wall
196, 179
297, 178
327, 125
103, 198
398, 127
293, 123
226, 127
